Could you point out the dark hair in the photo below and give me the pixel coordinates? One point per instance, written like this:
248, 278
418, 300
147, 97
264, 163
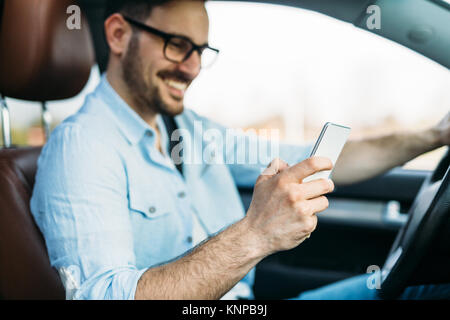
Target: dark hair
136, 9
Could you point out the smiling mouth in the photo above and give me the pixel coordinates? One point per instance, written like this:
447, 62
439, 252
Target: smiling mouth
176, 84
177, 88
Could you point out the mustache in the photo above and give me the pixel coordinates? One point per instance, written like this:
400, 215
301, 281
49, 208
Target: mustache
178, 75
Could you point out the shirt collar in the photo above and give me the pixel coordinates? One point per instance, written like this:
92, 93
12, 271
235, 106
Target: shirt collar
129, 122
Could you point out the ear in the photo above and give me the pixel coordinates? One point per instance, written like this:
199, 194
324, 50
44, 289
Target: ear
118, 34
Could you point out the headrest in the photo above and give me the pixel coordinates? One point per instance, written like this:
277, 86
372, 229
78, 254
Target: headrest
41, 59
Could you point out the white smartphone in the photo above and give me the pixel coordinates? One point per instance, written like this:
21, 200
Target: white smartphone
330, 143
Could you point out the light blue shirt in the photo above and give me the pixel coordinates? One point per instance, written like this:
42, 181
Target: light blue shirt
110, 205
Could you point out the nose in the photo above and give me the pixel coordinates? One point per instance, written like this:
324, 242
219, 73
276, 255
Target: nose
191, 65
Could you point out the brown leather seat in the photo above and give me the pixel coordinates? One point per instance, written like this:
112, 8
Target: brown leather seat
40, 60
25, 271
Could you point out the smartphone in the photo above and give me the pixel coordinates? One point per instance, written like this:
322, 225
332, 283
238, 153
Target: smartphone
330, 143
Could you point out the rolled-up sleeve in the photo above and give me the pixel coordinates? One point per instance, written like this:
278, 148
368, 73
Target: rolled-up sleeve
80, 204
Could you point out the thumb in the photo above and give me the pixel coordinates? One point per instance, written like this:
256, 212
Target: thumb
276, 166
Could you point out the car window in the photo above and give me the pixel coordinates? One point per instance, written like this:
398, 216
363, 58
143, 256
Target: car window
293, 69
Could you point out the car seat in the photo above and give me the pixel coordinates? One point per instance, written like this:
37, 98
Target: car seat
41, 59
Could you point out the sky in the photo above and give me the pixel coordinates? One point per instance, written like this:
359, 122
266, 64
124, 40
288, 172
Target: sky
298, 64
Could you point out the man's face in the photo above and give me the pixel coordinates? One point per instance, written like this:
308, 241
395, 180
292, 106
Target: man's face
155, 82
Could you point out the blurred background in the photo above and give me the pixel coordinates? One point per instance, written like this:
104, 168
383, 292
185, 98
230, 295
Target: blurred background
294, 70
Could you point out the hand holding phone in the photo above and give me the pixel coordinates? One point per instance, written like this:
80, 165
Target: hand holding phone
330, 143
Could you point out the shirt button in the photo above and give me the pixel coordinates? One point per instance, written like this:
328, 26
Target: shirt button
181, 194
149, 134
152, 209
189, 239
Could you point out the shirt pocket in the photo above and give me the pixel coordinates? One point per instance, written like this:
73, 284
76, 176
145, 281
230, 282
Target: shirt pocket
147, 198
149, 207
158, 229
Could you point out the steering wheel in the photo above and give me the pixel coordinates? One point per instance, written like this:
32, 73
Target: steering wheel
426, 218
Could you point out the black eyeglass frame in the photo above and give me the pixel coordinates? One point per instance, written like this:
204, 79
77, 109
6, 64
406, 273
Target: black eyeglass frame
168, 36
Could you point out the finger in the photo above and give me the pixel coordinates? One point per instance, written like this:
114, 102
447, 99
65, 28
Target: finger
306, 237
318, 204
299, 171
275, 166
311, 189
309, 224
313, 206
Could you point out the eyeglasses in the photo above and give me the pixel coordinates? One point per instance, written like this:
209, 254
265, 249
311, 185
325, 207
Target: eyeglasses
177, 48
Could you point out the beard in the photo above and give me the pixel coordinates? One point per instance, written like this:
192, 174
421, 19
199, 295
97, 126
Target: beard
146, 96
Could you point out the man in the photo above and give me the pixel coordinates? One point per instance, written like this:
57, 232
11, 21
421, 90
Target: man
121, 222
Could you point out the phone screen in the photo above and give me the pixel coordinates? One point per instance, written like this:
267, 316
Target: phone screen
330, 143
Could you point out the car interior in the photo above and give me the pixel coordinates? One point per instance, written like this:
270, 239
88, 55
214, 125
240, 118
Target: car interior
399, 221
